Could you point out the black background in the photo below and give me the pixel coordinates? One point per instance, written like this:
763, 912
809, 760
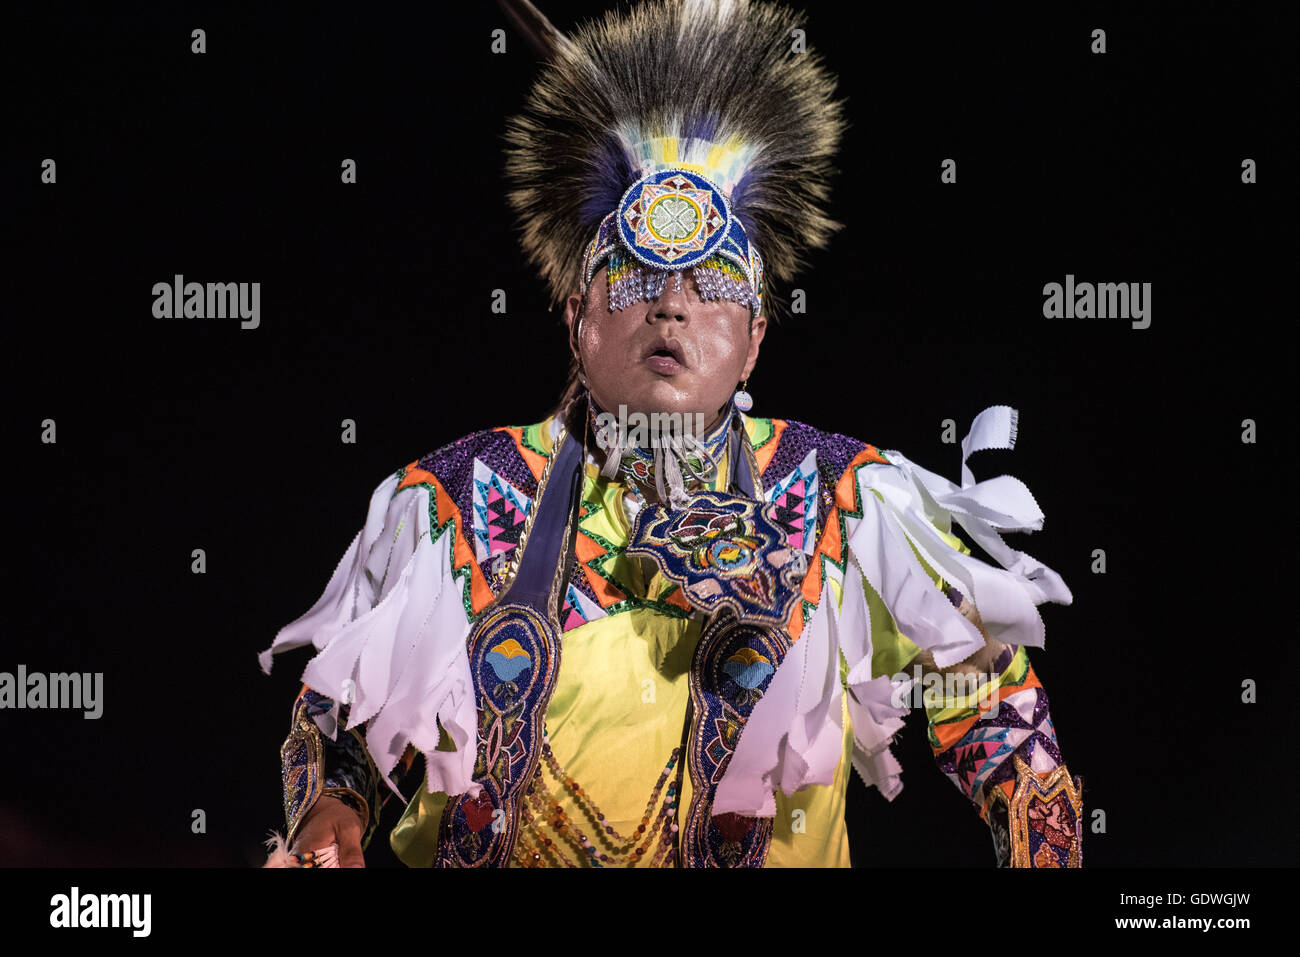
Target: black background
184, 434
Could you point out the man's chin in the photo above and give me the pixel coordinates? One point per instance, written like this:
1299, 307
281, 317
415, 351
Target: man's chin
662, 394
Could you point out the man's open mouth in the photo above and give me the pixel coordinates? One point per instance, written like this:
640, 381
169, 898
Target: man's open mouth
666, 356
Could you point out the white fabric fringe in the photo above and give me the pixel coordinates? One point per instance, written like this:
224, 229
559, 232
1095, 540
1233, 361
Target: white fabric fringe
391, 632
391, 629
793, 735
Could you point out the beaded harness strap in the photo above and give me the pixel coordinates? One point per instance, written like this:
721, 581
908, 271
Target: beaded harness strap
514, 655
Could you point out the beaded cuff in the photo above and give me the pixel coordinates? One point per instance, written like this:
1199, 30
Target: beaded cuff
302, 770
313, 765
1041, 823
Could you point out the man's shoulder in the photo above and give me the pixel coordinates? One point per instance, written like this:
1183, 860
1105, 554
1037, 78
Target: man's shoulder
786, 448
512, 455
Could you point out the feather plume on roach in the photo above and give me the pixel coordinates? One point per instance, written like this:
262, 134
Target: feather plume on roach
710, 85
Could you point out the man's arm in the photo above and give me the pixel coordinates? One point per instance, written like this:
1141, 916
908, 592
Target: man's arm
992, 735
332, 791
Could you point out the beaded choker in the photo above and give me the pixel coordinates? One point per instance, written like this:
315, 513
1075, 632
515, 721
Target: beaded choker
664, 451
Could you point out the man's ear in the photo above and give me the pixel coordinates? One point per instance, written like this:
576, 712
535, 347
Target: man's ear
572, 309
756, 335
572, 315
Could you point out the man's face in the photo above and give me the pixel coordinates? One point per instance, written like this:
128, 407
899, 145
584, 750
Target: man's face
675, 354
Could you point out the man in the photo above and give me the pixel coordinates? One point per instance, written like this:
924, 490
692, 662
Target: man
652, 630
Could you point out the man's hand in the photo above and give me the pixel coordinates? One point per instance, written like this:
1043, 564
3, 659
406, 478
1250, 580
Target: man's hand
979, 662
330, 821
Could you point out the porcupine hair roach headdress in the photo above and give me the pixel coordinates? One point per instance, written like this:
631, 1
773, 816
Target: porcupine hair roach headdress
681, 134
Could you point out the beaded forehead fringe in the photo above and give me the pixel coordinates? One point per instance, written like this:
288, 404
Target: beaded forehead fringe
717, 278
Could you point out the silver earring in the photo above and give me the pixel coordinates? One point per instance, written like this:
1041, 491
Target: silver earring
744, 401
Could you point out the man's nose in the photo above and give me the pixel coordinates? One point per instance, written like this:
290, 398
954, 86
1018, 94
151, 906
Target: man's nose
672, 303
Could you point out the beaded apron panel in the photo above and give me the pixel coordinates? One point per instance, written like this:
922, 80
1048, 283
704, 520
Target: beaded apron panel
514, 658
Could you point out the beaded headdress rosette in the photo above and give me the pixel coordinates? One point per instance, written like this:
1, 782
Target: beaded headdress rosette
669, 221
682, 136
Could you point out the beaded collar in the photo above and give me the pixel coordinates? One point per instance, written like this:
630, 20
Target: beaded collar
660, 451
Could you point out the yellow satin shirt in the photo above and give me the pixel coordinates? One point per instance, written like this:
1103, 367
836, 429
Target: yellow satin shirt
618, 710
